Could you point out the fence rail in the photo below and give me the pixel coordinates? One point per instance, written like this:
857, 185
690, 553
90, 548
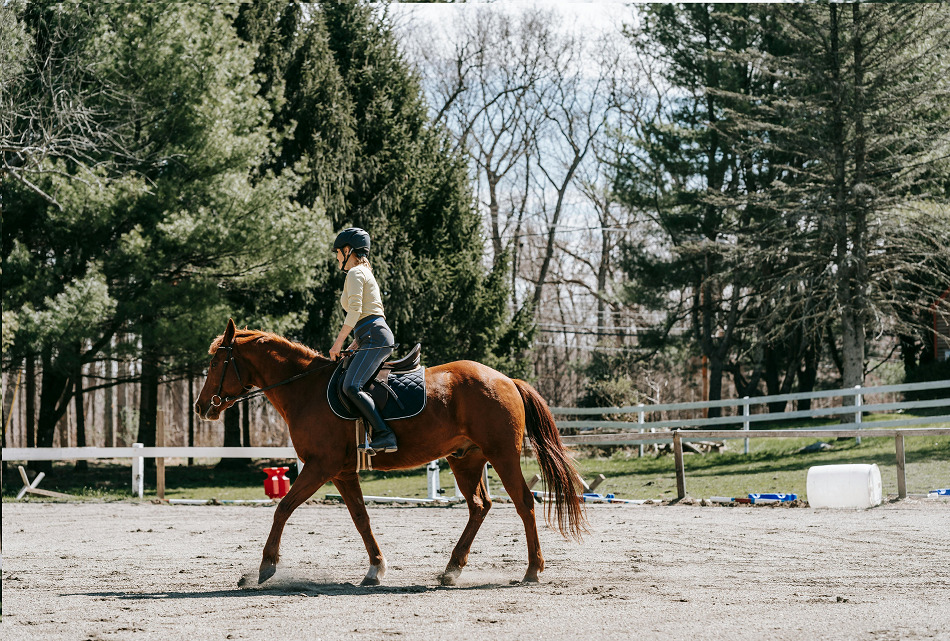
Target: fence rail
631, 432
755, 400
91, 453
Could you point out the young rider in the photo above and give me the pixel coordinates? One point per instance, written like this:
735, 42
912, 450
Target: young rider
363, 305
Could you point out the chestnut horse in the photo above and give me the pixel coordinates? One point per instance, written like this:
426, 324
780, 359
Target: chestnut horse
473, 415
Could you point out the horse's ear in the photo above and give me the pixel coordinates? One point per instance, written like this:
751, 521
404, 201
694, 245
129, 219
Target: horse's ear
229, 333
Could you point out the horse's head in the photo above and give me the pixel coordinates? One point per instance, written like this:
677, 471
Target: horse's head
224, 380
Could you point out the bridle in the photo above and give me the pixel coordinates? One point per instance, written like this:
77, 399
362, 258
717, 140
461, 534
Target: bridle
231, 360
247, 393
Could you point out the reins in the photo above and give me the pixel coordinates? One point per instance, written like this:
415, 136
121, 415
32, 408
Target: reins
260, 391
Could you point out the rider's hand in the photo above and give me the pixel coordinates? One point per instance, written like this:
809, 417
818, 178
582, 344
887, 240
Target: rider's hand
335, 352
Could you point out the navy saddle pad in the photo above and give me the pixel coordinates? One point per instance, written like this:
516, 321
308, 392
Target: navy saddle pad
409, 389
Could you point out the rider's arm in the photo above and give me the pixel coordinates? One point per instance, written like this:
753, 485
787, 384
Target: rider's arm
338, 345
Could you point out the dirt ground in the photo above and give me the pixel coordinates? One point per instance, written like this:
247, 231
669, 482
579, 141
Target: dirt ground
108, 571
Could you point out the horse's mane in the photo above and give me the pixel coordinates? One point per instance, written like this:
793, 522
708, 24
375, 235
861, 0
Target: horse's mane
243, 336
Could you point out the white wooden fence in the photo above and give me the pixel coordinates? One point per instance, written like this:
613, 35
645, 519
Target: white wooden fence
631, 432
624, 431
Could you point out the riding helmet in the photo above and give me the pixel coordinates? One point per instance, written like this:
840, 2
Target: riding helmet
356, 238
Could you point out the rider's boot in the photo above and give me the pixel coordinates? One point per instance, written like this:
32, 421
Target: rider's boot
383, 438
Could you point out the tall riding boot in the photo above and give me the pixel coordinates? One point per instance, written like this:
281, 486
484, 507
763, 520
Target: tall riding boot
383, 438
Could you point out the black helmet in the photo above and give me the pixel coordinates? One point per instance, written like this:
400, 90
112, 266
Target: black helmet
356, 238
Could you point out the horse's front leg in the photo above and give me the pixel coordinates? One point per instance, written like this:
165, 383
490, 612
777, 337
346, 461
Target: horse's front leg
348, 483
310, 480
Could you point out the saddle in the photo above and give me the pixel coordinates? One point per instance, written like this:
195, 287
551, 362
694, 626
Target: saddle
398, 388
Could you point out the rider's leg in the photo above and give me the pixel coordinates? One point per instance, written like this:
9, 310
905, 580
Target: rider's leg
375, 346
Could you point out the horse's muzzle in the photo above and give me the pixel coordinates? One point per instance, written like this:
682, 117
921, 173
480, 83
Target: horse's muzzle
206, 414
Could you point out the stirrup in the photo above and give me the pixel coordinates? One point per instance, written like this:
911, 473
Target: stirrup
382, 449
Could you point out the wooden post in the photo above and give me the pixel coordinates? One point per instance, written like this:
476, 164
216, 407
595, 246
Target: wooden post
597, 481
745, 419
160, 461
532, 482
901, 483
680, 471
580, 484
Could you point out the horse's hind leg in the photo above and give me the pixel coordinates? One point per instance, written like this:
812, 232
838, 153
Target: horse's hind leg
348, 483
310, 480
468, 476
508, 469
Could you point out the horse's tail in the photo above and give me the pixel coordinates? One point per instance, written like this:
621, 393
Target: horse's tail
557, 469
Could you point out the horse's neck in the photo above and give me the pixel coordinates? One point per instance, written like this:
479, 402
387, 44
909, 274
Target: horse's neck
277, 361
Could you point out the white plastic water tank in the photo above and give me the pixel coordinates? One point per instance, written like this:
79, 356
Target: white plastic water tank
850, 486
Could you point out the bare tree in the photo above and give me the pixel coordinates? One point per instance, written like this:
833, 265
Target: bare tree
484, 92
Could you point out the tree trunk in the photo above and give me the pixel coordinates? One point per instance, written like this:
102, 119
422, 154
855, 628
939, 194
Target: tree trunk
851, 237
493, 212
123, 407
108, 423
809, 373
232, 437
55, 394
603, 269
81, 464
191, 415
14, 382
148, 399
771, 379
30, 392
715, 383
246, 427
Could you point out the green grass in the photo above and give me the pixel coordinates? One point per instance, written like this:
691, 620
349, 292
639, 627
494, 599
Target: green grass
772, 465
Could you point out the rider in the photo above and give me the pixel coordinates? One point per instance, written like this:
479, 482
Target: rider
374, 340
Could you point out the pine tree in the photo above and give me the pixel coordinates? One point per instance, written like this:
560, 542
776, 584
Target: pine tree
689, 170
163, 251
863, 116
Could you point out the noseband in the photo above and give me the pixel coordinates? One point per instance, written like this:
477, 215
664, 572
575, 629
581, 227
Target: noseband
216, 400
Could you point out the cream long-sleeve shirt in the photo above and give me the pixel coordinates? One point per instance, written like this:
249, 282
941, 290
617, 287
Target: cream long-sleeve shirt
360, 296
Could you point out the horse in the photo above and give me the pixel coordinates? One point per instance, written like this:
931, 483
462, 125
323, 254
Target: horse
473, 415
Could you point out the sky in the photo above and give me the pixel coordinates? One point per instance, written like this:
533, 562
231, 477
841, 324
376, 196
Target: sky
593, 16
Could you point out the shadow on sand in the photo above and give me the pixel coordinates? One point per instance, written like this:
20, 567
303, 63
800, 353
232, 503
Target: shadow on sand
292, 587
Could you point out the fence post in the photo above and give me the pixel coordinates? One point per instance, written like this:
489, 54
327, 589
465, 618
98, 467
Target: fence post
138, 469
680, 470
432, 476
640, 416
485, 479
745, 420
857, 414
901, 482
160, 461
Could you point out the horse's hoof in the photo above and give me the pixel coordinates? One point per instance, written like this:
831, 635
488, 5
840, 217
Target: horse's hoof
267, 571
530, 578
368, 581
448, 578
